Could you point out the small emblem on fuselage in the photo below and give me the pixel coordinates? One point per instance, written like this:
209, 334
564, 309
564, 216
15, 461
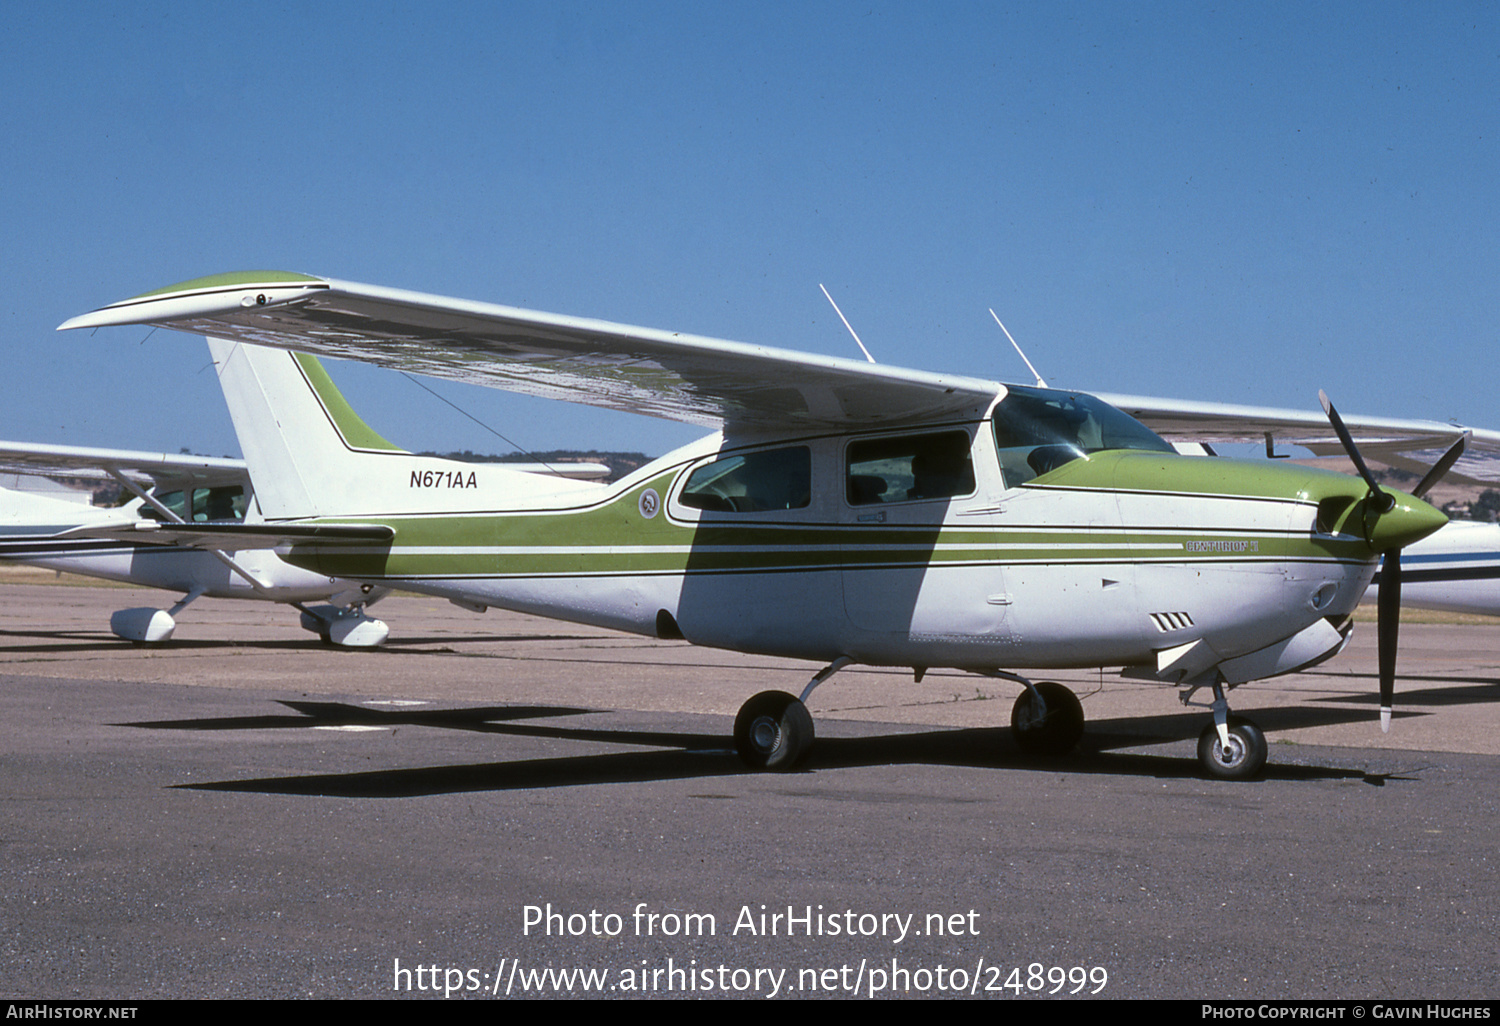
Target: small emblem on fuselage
650, 503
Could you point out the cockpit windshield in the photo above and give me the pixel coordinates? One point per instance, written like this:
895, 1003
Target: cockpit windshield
1038, 430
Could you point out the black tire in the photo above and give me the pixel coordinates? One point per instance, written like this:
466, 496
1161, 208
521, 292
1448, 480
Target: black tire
1245, 757
1058, 732
773, 731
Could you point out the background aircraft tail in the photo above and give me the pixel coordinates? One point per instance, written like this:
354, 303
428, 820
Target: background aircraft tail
309, 453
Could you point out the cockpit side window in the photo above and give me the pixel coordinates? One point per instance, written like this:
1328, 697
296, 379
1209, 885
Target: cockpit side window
174, 501
226, 502
752, 482
910, 467
1038, 430
223, 503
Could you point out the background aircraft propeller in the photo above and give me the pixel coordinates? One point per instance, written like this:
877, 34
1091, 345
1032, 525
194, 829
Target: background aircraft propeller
1388, 604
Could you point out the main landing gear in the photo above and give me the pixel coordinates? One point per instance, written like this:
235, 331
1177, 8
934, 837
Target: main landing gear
774, 730
1047, 720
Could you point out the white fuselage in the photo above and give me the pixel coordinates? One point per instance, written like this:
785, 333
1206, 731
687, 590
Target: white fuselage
1058, 574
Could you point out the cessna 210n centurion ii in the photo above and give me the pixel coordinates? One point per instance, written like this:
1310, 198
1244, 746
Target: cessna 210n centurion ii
843, 512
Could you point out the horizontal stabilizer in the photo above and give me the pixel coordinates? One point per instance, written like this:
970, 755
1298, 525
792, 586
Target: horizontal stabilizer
232, 536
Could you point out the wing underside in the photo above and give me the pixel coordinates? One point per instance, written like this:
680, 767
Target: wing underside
708, 382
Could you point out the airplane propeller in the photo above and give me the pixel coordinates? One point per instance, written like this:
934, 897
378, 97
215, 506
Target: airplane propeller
1388, 604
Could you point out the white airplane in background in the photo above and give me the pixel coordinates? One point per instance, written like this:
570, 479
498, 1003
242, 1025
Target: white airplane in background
842, 511
121, 544
1456, 570
130, 543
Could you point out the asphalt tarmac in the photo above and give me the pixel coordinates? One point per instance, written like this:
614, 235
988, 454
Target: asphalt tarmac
497, 805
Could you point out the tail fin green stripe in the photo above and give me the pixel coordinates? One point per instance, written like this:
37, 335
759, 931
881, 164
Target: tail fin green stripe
356, 433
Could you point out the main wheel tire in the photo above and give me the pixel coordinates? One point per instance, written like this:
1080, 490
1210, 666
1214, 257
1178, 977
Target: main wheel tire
1243, 759
773, 731
1053, 734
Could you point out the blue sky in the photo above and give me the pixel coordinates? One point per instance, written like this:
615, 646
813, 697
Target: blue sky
1241, 202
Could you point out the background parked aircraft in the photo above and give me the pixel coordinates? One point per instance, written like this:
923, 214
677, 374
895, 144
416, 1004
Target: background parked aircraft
46, 531
1456, 570
62, 535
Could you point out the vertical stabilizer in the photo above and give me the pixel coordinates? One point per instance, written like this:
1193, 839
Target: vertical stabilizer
310, 454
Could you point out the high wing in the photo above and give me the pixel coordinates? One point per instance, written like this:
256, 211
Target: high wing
703, 381
160, 468
1410, 445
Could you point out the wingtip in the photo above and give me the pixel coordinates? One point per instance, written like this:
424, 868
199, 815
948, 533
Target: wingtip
88, 320
202, 297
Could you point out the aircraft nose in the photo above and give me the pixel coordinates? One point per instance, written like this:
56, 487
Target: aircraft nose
1408, 520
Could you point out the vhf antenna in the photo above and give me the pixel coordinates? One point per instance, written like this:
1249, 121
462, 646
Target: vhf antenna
1039, 382
857, 342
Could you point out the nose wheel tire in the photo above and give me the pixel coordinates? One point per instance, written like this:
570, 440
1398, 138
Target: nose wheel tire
1244, 757
1053, 732
773, 731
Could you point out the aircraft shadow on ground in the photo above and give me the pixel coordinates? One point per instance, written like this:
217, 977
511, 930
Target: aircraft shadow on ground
682, 755
1462, 691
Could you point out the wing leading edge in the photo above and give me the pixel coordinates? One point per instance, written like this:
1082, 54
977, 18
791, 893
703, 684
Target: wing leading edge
709, 382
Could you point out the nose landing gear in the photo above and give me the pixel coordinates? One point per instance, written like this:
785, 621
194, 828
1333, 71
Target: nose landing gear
1232, 747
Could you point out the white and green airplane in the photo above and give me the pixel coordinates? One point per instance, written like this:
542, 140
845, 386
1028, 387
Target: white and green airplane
842, 512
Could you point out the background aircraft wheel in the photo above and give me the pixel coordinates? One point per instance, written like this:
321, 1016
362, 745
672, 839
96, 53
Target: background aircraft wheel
1244, 757
1058, 732
773, 731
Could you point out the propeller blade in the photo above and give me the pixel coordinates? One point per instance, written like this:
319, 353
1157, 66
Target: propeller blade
1387, 626
1442, 466
1386, 501
1388, 608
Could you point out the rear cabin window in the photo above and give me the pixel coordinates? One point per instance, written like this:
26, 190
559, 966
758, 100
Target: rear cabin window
752, 482
908, 468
